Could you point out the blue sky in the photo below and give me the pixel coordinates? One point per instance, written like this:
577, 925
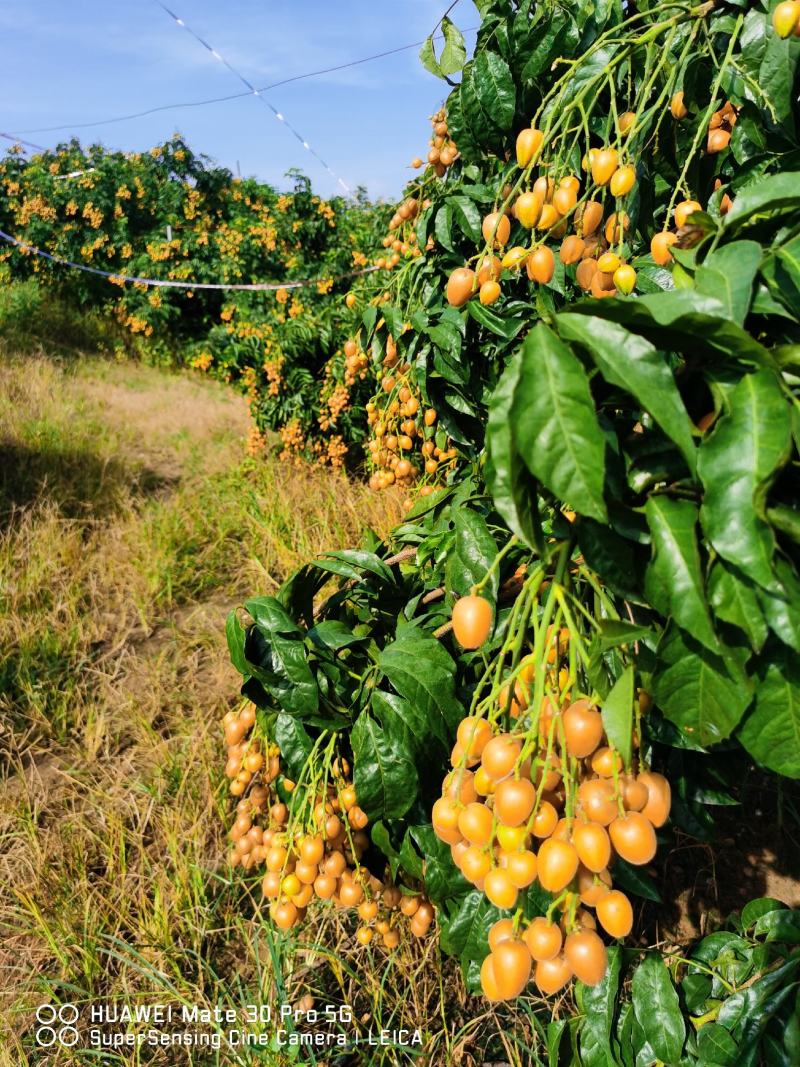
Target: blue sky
65, 63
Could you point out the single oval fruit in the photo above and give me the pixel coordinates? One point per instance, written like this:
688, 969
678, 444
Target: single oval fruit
528, 144
489, 292
634, 793
512, 967
603, 165
488, 980
475, 864
589, 217
659, 797
587, 269
571, 249
473, 734
565, 199
552, 975
625, 279
597, 800
583, 725
608, 263
472, 620
460, 786
521, 868
460, 286
496, 229
557, 863
718, 141
625, 121
500, 756
677, 108
541, 265
622, 180
786, 18
586, 955
499, 888
489, 269
502, 930
606, 761
548, 218
660, 245
528, 208
615, 914
593, 845
592, 885
515, 257
634, 838
511, 838
684, 210
514, 800
546, 820
543, 938
475, 823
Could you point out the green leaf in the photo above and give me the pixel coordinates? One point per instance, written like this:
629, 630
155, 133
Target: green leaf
657, 1009
494, 88
782, 926
612, 557
633, 364
277, 655
235, 634
771, 731
736, 464
472, 554
465, 933
765, 196
295, 744
782, 609
556, 427
716, 1045
507, 478
427, 57
598, 1005
351, 563
634, 880
454, 52
729, 274
617, 715
733, 598
674, 579
502, 325
467, 215
615, 632
422, 671
755, 909
696, 690
384, 773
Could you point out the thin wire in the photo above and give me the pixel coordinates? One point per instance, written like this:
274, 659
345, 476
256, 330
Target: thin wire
222, 99
160, 283
19, 140
257, 93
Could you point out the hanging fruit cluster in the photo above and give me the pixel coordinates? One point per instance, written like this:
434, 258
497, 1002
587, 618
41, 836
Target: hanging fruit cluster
443, 151
311, 847
545, 798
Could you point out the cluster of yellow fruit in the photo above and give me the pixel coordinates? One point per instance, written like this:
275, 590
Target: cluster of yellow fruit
551, 803
663, 241
403, 432
443, 151
318, 861
786, 18
356, 363
403, 245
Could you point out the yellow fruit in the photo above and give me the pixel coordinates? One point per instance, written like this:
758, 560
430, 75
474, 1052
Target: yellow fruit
684, 210
541, 265
515, 257
625, 279
608, 263
603, 165
460, 286
622, 180
786, 18
496, 229
489, 292
660, 245
528, 208
626, 120
528, 144
677, 107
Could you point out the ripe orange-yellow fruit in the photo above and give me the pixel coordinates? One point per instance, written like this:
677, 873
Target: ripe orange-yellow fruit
592, 844
472, 621
597, 800
633, 837
589, 217
608, 263
587, 269
548, 218
521, 867
528, 208
586, 955
718, 140
512, 967
496, 229
677, 107
592, 885
473, 734
543, 939
541, 265
489, 292
583, 725
625, 121
489, 269
603, 165
350, 300
571, 249
625, 279
622, 180
460, 286
606, 762
786, 18
500, 756
557, 863
634, 793
564, 199
552, 975
615, 913
660, 245
684, 210
283, 914
546, 820
514, 800
488, 980
528, 144
460, 785
475, 864
475, 823
659, 797
499, 888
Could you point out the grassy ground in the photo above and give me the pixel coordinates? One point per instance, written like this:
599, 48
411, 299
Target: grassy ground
129, 525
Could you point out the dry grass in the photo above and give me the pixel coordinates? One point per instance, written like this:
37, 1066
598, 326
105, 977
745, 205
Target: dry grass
129, 525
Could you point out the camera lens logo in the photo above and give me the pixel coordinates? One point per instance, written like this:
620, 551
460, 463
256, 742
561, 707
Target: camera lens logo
56, 1025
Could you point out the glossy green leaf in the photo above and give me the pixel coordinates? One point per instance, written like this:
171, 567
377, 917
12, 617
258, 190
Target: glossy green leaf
771, 731
494, 88
634, 880
630, 362
454, 51
473, 553
274, 648
295, 744
716, 1045
235, 635
755, 909
697, 691
734, 600
598, 1005
776, 193
657, 1009
422, 671
736, 464
613, 557
729, 274
508, 480
617, 714
556, 427
352, 562
674, 579
384, 773
782, 926
465, 933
